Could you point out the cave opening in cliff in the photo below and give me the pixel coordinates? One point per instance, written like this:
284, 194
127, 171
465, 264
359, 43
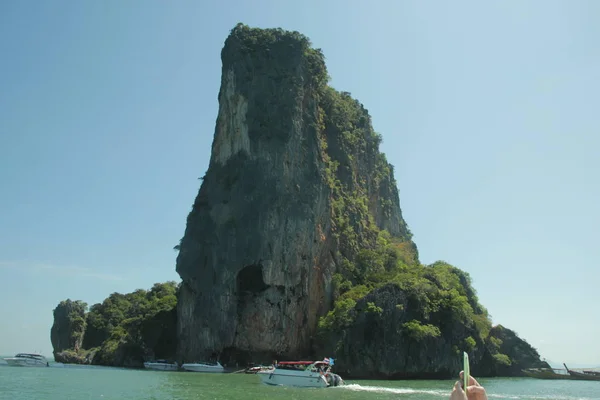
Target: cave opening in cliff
250, 280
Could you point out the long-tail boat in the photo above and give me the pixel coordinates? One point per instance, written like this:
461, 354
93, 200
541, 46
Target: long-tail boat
547, 373
585, 375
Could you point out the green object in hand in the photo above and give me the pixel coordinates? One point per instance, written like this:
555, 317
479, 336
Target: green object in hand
466, 372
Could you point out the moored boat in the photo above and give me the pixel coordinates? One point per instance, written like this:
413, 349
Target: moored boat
255, 369
585, 375
547, 373
301, 374
27, 360
203, 367
161, 365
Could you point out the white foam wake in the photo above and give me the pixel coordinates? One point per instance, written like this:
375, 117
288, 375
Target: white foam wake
445, 393
381, 389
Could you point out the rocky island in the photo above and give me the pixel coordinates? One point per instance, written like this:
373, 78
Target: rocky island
296, 246
122, 331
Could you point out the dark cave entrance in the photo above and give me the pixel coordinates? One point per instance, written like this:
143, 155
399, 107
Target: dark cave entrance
250, 280
250, 284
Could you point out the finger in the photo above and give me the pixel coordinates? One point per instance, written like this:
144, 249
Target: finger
478, 392
458, 386
457, 392
472, 381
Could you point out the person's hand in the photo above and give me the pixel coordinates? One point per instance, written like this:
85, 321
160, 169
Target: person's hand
474, 390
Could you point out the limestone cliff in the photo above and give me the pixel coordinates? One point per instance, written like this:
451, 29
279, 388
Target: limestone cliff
69, 326
296, 245
506, 354
263, 239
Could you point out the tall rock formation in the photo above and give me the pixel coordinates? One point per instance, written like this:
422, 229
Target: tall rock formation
267, 230
69, 326
296, 245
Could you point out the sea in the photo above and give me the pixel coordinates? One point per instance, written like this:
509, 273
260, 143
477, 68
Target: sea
78, 382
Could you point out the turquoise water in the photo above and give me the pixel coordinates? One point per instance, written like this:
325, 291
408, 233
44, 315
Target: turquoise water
71, 382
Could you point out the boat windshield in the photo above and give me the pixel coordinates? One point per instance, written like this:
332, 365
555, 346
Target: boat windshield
28, 355
293, 365
302, 365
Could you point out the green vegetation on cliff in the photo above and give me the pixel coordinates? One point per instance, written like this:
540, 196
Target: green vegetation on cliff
361, 182
441, 305
508, 355
124, 329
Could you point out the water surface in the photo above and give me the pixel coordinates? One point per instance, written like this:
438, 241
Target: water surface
73, 382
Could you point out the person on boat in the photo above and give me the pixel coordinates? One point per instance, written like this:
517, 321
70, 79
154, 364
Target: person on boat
474, 390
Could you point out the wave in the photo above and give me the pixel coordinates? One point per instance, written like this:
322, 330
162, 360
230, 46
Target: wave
537, 397
445, 393
382, 389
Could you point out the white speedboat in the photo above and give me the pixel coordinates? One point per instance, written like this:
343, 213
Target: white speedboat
27, 360
254, 370
161, 365
203, 367
302, 374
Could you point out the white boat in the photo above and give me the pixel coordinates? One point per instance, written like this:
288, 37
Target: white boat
254, 370
203, 367
27, 360
161, 365
301, 374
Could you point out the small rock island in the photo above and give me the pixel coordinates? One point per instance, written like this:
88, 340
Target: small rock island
296, 246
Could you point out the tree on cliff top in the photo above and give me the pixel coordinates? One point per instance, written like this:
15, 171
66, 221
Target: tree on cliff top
119, 310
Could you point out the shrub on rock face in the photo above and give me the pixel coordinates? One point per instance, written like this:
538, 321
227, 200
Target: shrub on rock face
506, 354
415, 320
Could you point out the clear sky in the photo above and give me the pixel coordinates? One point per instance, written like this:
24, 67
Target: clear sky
488, 110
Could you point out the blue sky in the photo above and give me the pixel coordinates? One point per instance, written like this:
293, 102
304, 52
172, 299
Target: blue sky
488, 112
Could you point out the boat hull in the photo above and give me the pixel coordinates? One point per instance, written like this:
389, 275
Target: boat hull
584, 376
160, 366
276, 377
544, 373
203, 368
25, 362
